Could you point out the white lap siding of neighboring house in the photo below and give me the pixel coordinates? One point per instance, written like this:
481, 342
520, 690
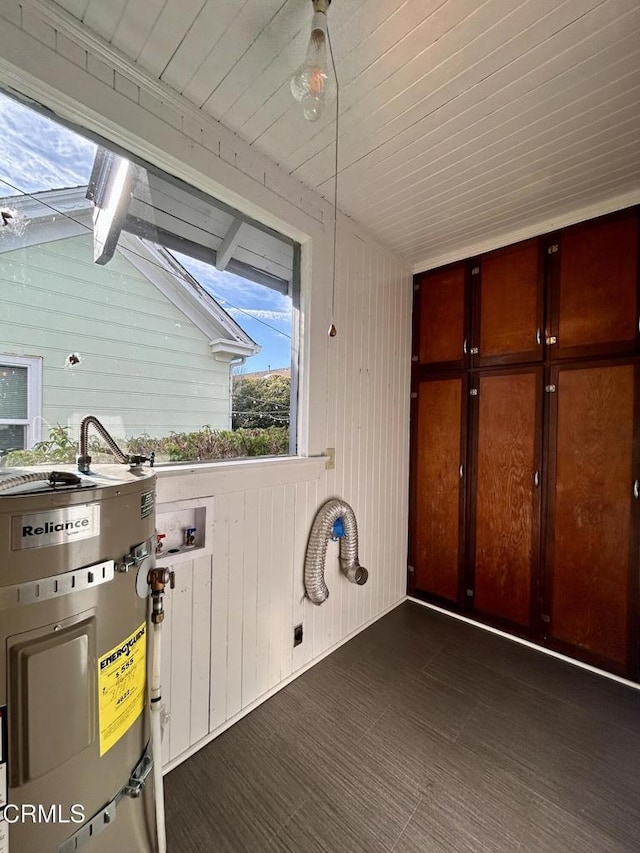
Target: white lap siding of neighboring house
155, 349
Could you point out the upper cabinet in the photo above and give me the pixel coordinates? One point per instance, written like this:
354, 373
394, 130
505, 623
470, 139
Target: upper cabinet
508, 311
441, 302
574, 294
484, 312
593, 288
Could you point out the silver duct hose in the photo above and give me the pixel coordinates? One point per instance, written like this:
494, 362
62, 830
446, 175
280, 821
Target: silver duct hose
54, 478
321, 532
21, 479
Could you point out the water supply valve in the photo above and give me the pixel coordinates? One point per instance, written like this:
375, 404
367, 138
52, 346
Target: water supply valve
158, 580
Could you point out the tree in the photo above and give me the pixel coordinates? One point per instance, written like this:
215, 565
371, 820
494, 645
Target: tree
261, 401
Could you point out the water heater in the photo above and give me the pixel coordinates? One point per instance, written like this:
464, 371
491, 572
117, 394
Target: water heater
74, 720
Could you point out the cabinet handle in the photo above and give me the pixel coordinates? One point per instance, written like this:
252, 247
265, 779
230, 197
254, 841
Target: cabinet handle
539, 336
465, 347
461, 471
474, 350
536, 479
636, 489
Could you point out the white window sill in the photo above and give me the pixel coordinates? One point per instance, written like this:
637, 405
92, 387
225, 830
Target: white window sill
204, 479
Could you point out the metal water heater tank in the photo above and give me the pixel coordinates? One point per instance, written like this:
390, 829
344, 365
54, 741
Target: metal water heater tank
74, 718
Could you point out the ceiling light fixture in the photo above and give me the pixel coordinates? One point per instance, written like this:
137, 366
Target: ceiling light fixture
312, 84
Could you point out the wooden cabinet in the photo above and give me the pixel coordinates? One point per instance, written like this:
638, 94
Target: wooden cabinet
525, 484
505, 499
438, 494
593, 278
590, 548
442, 308
509, 305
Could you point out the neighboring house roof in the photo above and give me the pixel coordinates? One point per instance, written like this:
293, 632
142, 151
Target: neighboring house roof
132, 198
60, 214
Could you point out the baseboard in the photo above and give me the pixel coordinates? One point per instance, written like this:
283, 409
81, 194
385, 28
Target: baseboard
263, 698
527, 643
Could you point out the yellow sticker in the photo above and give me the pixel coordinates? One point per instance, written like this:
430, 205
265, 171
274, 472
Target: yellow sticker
122, 676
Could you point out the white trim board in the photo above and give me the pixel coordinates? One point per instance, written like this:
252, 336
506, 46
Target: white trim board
523, 642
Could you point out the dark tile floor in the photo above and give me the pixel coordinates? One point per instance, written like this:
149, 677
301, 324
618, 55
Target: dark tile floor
421, 735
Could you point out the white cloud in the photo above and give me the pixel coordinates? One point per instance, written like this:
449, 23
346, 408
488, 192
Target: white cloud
38, 154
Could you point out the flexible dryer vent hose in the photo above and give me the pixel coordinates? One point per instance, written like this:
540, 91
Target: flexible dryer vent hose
321, 531
22, 479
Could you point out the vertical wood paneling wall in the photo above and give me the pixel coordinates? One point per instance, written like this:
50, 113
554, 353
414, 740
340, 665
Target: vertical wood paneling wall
230, 619
229, 627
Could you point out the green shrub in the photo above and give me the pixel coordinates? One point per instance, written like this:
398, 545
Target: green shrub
205, 444
208, 444
59, 447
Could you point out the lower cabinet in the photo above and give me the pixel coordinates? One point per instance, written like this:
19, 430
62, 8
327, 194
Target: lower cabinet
525, 503
504, 506
437, 499
590, 583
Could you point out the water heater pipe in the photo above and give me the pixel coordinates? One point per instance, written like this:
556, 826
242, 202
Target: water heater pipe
84, 460
156, 738
321, 532
158, 580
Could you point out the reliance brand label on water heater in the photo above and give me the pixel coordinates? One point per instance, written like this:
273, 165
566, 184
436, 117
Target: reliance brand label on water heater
55, 527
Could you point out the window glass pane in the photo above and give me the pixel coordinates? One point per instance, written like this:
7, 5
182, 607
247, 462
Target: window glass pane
14, 392
145, 299
11, 438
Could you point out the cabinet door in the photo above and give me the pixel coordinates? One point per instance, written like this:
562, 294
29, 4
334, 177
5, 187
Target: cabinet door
442, 317
509, 302
439, 439
589, 551
505, 502
593, 270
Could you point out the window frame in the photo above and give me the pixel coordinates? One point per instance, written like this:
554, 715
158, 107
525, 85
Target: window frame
33, 421
119, 141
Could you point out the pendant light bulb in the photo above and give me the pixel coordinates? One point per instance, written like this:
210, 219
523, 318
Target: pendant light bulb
312, 85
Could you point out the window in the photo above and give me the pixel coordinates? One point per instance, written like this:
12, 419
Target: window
167, 314
20, 384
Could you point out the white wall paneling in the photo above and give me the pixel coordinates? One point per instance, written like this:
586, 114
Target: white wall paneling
262, 513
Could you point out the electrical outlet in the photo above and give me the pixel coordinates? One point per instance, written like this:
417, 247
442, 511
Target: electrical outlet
297, 635
330, 453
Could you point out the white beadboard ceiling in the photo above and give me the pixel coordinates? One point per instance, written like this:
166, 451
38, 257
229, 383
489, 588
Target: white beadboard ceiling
461, 121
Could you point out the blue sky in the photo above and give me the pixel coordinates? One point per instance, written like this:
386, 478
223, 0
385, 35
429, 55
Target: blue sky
38, 154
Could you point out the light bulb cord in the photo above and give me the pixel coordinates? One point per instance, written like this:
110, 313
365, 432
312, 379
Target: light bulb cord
335, 182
